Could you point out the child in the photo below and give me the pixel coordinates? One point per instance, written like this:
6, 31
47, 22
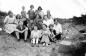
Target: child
35, 35
24, 16
31, 13
39, 13
23, 12
45, 35
53, 33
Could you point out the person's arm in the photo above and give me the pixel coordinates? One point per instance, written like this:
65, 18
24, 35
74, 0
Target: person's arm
28, 14
25, 29
42, 15
49, 33
31, 36
5, 20
15, 21
18, 31
60, 28
83, 33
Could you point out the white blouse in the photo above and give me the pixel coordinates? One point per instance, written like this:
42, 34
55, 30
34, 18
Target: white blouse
48, 22
36, 34
8, 20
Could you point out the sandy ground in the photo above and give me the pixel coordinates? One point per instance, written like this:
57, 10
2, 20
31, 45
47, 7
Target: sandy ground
10, 47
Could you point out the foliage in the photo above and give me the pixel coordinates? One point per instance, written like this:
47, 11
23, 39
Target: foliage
79, 20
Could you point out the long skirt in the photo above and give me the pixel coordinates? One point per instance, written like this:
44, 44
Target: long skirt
9, 28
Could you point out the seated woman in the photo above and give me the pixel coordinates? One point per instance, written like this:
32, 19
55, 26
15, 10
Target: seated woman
47, 20
10, 23
35, 35
21, 31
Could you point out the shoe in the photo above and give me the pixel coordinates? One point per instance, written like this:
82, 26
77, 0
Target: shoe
18, 39
37, 45
33, 45
25, 40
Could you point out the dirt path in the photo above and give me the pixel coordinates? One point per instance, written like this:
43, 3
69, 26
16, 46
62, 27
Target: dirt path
10, 47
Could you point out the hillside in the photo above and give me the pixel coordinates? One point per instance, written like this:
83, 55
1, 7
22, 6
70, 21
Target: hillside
9, 46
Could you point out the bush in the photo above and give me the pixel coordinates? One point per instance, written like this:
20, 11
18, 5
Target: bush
79, 20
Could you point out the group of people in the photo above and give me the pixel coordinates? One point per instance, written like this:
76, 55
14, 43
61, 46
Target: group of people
33, 25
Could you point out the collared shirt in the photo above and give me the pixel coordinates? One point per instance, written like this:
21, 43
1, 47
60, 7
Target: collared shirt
58, 28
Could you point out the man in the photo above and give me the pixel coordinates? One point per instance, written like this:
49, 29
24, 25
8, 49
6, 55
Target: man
58, 28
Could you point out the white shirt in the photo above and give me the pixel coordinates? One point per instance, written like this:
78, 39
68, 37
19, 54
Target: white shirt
36, 34
8, 19
48, 22
58, 28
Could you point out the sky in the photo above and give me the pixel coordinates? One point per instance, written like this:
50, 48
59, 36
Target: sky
58, 8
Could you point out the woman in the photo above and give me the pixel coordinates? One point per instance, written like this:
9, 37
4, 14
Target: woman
48, 19
10, 23
21, 31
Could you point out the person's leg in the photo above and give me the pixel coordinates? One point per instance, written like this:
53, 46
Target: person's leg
33, 40
29, 34
17, 35
25, 35
37, 39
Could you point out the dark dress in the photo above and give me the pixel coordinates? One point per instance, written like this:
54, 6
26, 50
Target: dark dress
21, 35
32, 15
